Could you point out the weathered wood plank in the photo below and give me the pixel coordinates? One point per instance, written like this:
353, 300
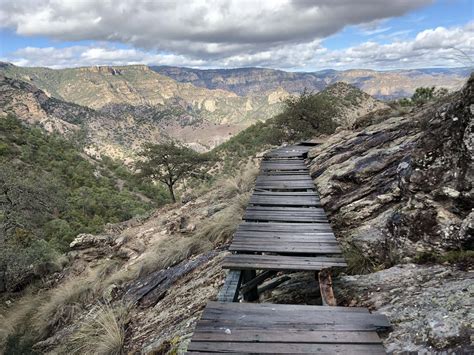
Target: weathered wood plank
288, 348
285, 227
288, 336
255, 216
279, 262
282, 308
285, 248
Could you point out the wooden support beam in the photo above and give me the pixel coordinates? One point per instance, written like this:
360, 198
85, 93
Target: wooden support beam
273, 284
230, 290
252, 293
325, 286
248, 286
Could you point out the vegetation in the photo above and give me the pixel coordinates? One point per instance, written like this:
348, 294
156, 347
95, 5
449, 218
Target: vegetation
103, 332
307, 115
423, 95
49, 193
358, 262
303, 117
170, 163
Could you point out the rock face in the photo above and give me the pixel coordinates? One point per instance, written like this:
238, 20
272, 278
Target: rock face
430, 307
405, 185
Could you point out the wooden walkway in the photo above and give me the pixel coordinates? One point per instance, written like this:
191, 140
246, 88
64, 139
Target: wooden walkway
284, 229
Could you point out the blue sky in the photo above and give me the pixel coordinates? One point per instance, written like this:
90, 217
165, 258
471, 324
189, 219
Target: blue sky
291, 35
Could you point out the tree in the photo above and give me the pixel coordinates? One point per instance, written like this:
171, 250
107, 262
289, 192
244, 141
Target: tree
169, 163
423, 95
307, 115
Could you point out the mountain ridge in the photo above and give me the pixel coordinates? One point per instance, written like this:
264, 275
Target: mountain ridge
391, 84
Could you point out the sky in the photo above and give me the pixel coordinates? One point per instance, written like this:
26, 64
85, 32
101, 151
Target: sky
293, 35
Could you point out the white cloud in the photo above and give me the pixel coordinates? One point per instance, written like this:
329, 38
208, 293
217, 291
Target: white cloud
202, 29
432, 47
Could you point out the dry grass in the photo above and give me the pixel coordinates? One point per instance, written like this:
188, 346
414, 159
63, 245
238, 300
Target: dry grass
102, 331
229, 187
65, 301
62, 305
220, 227
16, 319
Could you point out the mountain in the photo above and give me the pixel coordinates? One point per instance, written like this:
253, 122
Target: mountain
380, 84
100, 133
245, 81
138, 85
200, 117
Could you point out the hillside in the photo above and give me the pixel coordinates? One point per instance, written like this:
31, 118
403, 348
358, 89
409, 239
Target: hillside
398, 193
100, 133
51, 192
382, 85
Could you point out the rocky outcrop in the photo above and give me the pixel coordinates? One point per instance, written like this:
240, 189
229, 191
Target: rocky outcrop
403, 186
428, 306
398, 191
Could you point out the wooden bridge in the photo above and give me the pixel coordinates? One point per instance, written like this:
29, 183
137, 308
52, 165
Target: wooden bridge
284, 229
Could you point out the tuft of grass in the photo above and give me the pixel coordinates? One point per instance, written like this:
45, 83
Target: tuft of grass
358, 263
220, 227
62, 305
102, 331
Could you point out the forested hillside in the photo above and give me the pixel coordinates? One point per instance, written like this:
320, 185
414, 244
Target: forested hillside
50, 192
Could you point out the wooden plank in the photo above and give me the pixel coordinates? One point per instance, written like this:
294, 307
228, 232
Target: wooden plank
302, 240
285, 193
269, 238
288, 177
282, 308
279, 262
285, 227
277, 209
300, 200
288, 336
293, 320
285, 248
288, 217
287, 348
